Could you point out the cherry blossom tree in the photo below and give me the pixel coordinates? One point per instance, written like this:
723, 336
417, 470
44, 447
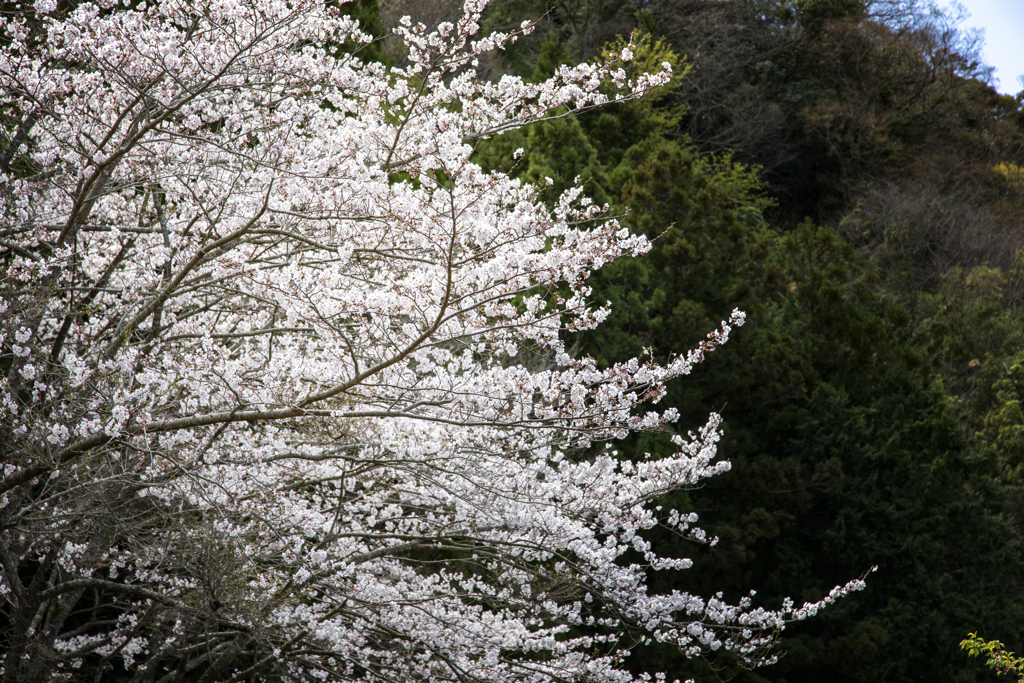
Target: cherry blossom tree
285, 390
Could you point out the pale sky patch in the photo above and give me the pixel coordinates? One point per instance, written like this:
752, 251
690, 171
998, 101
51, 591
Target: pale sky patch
1003, 23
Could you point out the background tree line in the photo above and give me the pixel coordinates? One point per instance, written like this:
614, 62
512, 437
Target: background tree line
843, 171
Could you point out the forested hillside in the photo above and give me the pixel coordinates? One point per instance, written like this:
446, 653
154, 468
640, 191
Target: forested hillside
842, 171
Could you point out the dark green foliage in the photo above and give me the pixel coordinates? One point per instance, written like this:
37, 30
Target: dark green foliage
846, 453
873, 402
706, 246
556, 152
367, 12
561, 152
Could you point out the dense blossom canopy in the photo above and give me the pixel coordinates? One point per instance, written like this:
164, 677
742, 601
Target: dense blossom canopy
284, 384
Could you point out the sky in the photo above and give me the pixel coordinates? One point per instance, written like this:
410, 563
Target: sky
1003, 22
